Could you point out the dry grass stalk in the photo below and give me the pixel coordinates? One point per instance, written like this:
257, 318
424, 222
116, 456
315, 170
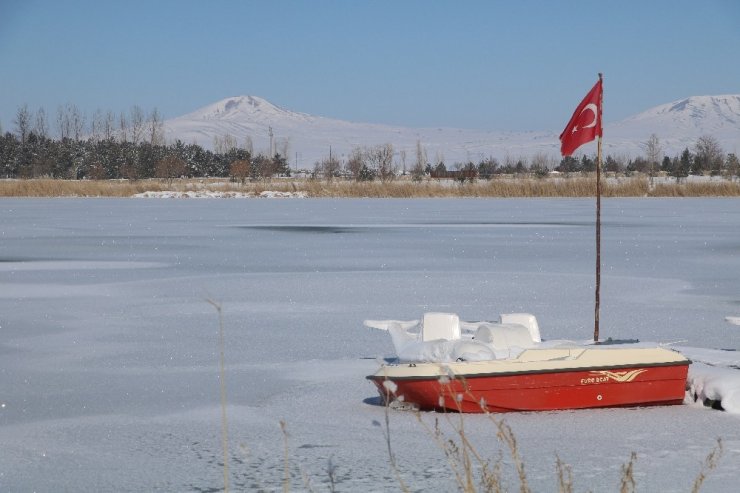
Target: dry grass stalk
331, 471
222, 377
388, 398
459, 451
506, 435
628, 483
462, 456
565, 476
710, 463
286, 457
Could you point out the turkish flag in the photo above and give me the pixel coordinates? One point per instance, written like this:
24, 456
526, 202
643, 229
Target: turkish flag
585, 124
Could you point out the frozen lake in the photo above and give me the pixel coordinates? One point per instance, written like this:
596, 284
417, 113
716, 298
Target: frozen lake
109, 349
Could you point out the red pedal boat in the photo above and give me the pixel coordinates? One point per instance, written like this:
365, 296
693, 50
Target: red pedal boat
503, 367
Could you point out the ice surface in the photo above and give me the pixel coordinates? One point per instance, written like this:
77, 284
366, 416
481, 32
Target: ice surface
109, 350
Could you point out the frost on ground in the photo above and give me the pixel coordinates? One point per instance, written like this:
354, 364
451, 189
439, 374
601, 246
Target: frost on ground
109, 350
205, 194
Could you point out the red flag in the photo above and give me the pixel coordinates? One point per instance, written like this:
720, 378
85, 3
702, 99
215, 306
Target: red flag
585, 124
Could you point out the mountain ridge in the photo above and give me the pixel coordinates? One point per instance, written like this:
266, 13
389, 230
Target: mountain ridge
306, 138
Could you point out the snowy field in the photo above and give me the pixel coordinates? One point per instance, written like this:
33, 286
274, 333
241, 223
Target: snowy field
109, 350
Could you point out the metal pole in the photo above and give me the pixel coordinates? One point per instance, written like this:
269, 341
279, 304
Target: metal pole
598, 225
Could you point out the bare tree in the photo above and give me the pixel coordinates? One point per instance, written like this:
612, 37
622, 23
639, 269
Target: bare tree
653, 154
170, 167
156, 128
41, 125
96, 125
328, 168
380, 159
709, 154
64, 124
282, 146
540, 165
732, 166
248, 145
240, 170
354, 164
123, 127
439, 158
222, 145
136, 124
23, 123
230, 143
108, 125
77, 119
417, 172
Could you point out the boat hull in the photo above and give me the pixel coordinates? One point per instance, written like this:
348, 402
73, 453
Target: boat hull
539, 389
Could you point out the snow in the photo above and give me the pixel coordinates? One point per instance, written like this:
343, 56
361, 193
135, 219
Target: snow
469, 341
109, 350
677, 124
210, 194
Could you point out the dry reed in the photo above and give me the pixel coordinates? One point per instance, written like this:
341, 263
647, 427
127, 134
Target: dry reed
499, 187
222, 380
710, 463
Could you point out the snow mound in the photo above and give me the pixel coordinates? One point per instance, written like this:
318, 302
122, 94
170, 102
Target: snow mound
205, 194
283, 195
714, 378
715, 386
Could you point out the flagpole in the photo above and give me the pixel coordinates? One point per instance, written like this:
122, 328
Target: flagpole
598, 224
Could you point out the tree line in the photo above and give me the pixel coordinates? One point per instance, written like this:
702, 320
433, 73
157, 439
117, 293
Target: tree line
705, 158
132, 146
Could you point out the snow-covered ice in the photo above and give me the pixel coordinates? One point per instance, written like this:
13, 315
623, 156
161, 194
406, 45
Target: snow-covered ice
109, 349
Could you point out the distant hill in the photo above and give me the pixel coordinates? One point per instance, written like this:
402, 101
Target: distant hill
677, 125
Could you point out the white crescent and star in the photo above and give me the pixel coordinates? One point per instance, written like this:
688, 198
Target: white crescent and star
594, 109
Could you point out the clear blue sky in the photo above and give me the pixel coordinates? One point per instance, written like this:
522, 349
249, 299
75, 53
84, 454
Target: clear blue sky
499, 65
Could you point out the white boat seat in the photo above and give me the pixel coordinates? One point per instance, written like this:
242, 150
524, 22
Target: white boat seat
527, 320
504, 336
436, 326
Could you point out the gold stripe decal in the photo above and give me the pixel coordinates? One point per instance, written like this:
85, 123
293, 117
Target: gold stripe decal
617, 376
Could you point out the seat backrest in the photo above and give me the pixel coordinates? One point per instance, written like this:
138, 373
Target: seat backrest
526, 319
504, 336
437, 326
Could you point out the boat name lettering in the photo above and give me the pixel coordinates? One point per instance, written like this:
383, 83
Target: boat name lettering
589, 380
604, 376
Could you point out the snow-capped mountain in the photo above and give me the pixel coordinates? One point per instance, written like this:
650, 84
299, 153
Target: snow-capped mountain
306, 139
678, 124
